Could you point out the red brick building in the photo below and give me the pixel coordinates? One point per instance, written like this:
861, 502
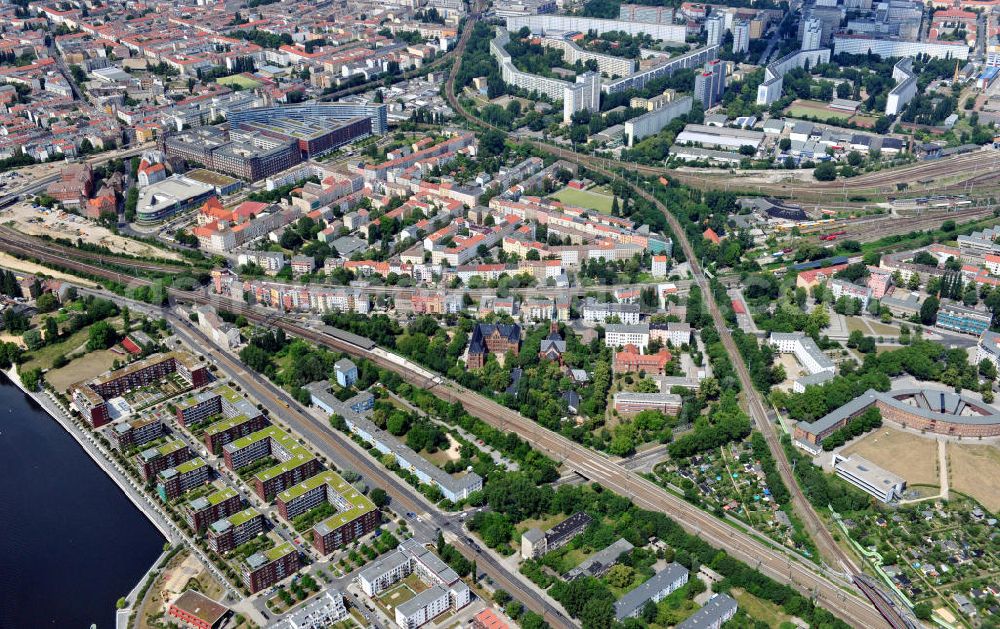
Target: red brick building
492, 338
194, 609
629, 360
75, 185
262, 570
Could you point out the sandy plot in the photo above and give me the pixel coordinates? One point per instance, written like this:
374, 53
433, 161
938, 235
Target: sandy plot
911, 456
59, 224
10, 262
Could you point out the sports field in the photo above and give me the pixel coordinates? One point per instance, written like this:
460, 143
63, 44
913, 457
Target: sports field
238, 79
815, 109
911, 456
585, 198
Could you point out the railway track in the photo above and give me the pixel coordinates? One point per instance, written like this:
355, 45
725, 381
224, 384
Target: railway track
867, 229
823, 586
11, 237
852, 607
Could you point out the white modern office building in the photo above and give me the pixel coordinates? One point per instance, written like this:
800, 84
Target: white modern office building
865, 475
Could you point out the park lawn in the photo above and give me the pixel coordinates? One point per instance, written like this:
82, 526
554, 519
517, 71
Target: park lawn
238, 79
571, 559
413, 582
969, 465
864, 121
43, 357
913, 457
854, 323
586, 199
883, 329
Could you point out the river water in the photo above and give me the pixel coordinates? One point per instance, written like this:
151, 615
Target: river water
71, 543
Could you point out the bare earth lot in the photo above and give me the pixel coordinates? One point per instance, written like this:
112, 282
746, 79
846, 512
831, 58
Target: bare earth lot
57, 224
974, 470
911, 456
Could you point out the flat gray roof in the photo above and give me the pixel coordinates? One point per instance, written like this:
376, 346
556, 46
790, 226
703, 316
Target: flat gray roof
860, 467
425, 598
607, 557
383, 565
637, 597
716, 608
652, 398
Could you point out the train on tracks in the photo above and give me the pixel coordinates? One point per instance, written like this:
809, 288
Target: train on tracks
896, 618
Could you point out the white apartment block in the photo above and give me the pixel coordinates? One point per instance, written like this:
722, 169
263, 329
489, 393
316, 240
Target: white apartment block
538, 310
570, 23
384, 573
585, 93
841, 288
905, 89
620, 335
989, 348
423, 607
270, 261
598, 312
677, 333
805, 349
741, 36
861, 44
608, 64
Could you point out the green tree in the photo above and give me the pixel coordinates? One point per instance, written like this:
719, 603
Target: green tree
929, 310
621, 576
491, 143
922, 610
987, 369
33, 339
827, 171
101, 336
379, 497
46, 302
